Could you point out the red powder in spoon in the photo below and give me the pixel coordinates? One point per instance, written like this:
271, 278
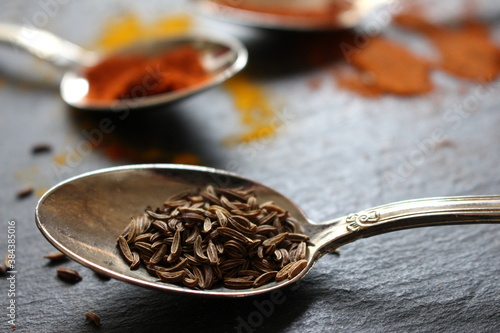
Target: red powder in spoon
132, 76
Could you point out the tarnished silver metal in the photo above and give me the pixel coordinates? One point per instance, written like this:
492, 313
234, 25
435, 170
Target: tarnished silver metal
221, 56
350, 15
84, 216
46, 46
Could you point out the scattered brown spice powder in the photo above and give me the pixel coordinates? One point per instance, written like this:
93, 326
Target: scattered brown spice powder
356, 82
387, 67
254, 107
314, 83
382, 66
466, 51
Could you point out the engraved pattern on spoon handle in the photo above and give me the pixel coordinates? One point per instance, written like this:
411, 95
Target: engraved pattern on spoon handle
409, 214
46, 46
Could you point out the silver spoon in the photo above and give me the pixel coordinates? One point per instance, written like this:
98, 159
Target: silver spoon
83, 217
221, 56
350, 15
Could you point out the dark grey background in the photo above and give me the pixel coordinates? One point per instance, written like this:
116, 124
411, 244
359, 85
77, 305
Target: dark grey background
335, 153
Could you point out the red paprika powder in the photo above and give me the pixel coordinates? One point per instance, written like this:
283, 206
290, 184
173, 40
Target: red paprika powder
126, 76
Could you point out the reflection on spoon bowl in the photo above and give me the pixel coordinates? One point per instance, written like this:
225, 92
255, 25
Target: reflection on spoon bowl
84, 216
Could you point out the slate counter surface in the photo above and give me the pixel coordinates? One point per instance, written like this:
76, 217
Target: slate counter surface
334, 154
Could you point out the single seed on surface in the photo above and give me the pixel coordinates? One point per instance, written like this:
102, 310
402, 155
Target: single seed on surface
94, 318
25, 192
41, 148
55, 256
68, 275
7, 262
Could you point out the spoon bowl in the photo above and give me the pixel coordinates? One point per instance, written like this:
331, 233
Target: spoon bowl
221, 57
83, 217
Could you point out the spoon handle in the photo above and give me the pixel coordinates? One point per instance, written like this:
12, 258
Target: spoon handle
45, 46
406, 215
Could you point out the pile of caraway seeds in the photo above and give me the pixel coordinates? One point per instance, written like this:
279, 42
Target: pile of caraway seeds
216, 236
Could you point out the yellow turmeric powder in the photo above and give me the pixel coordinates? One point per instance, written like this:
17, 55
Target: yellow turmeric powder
255, 111
127, 29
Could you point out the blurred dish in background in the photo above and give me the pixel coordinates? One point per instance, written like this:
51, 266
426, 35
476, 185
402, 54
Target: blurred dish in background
292, 14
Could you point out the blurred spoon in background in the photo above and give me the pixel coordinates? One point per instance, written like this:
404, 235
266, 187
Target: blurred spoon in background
220, 56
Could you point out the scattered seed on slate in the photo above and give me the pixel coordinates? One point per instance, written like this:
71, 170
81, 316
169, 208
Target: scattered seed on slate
68, 275
94, 318
7, 262
41, 148
55, 256
25, 192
